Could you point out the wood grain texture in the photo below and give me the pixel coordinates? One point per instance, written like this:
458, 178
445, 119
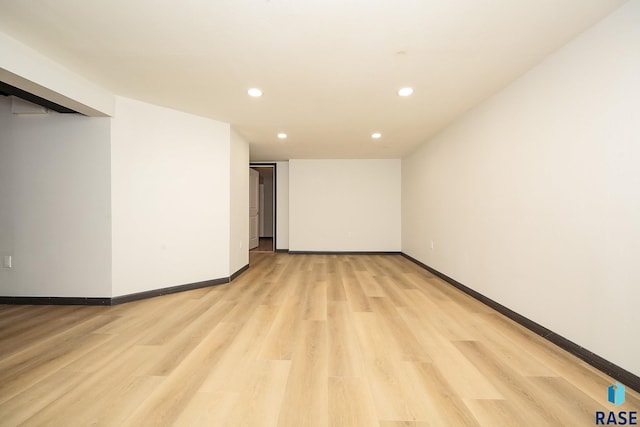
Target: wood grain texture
296, 340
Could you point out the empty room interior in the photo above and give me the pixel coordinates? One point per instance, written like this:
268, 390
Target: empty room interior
338, 213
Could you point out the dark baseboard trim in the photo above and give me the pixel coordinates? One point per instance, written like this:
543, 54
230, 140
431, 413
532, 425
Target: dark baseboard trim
235, 275
54, 301
343, 253
121, 299
166, 291
619, 374
282, 251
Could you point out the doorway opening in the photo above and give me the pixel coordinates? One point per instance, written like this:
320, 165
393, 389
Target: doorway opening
262, 207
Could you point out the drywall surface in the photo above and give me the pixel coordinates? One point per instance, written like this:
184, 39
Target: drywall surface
533, 197
239, 208
54, 204
27, 69
344, 205
282, 205
170, 197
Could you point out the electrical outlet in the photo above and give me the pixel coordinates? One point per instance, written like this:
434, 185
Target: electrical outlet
7, 261
432, 245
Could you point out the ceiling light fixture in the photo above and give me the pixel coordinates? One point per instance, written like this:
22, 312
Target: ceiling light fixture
405, 91
376, 135
255, 92
282, 135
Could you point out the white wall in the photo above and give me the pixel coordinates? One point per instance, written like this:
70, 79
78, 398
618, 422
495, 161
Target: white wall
282, 205
27, 69
239, 214
170, 197
54, 204
344, 205
533, 198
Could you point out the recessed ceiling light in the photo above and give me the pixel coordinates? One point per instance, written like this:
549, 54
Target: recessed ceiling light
282, 135
255, 92
376, 135
405, 91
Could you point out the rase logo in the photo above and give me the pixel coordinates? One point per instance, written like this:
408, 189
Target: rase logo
615, 395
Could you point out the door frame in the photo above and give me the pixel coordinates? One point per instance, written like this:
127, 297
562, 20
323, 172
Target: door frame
275, 197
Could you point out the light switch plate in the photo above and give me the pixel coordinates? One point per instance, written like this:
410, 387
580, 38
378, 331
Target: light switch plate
7, 261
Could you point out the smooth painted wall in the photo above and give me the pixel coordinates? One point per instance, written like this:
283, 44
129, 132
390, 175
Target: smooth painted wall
282, 205
344, 205
55, 204
533, 197
29, 70
170, 197
239, 204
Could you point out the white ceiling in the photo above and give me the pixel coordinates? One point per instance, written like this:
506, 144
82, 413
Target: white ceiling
329, 69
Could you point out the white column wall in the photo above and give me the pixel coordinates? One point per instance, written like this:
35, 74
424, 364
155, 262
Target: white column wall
239, 218
170, 197
282, 205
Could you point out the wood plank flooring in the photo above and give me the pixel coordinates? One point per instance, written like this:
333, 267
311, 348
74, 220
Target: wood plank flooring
297, 340
265, 244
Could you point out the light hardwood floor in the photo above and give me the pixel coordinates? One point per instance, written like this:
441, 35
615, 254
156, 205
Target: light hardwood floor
297, 340
265, 244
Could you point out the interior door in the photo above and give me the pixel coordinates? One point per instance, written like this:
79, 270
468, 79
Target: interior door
254, 207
